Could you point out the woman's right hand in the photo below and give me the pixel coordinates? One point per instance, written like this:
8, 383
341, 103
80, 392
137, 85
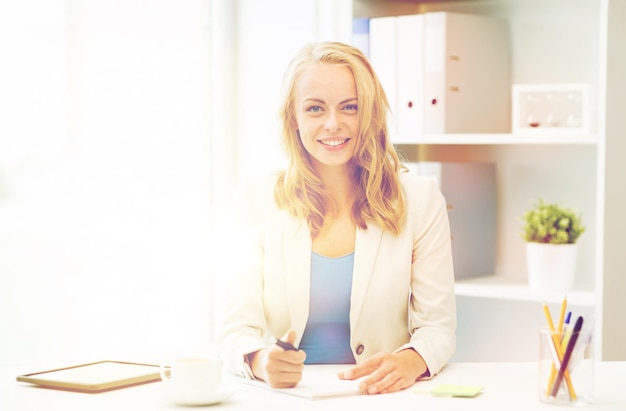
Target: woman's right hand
277, 367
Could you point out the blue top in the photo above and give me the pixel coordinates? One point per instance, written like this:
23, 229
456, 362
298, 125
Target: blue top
326, 338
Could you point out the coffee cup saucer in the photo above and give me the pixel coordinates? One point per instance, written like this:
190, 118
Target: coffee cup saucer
181, 396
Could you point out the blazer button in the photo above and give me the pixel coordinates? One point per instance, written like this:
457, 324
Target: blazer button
359, 349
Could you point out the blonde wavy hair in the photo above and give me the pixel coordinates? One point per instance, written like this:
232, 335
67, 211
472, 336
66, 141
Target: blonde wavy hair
375, 162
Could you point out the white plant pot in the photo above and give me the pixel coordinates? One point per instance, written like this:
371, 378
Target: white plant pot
551, 267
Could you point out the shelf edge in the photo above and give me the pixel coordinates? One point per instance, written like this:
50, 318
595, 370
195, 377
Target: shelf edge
522, 293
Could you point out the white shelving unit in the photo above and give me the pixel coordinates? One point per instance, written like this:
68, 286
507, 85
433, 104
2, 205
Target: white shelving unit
552, 41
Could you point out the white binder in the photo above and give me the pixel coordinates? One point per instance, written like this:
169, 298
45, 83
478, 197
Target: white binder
390, 37
466, 74
410, 87
443, 73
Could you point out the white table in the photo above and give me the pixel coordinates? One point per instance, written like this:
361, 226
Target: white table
508, 386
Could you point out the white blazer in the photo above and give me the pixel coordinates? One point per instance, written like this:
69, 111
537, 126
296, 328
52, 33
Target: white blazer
402, 286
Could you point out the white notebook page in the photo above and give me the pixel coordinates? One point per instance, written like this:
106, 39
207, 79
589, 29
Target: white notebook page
318, 381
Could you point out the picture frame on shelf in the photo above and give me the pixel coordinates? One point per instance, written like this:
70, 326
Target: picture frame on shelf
551, 108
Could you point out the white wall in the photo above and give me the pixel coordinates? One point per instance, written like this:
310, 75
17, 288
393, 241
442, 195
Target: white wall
104, 179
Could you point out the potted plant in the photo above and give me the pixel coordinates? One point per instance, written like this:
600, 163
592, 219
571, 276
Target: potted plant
551, 232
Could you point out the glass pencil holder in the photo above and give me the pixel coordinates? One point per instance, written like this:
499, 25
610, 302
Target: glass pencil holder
566, 367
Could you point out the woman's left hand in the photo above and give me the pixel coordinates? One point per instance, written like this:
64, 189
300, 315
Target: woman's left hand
386, 372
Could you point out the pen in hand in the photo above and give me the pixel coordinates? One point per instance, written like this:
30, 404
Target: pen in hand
285, 345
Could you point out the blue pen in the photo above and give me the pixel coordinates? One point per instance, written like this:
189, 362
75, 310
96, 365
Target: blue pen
567, 331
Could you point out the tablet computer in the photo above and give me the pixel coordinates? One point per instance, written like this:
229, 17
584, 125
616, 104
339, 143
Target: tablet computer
95, 377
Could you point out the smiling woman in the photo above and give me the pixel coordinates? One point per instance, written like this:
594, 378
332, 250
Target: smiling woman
344, 215
326, 114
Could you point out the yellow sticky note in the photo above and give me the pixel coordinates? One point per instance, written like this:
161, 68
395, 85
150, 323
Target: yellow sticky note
452, 390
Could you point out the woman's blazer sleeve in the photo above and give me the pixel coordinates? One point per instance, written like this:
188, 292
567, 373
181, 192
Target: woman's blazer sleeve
239, 295
432, 305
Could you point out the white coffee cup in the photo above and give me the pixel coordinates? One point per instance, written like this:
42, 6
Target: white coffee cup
194, 374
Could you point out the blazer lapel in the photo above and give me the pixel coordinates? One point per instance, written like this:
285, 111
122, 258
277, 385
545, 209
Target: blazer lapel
297, 271
296, 245
365, 255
